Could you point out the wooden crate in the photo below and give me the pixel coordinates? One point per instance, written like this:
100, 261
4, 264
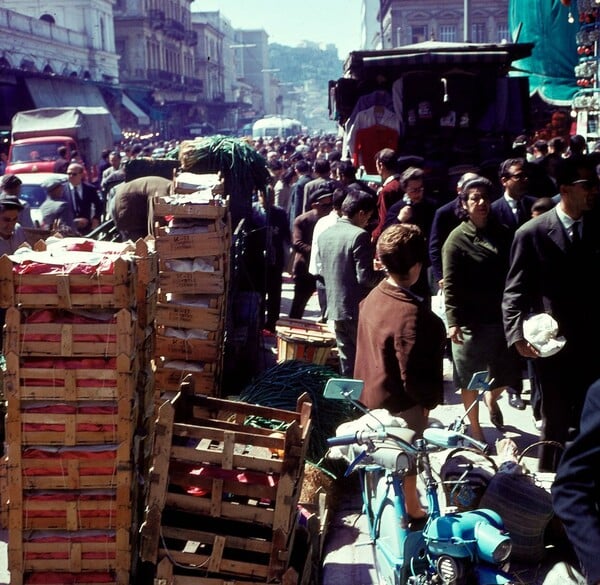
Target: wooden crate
56, 578
203, 444
300, 339
67, 380
102, 338
163, 207
147, 282
100, 290
77, 424
71, 552
69, 468
169, 379
189, 317
232, 553
201, 350
73, 511
192, 282
192, 245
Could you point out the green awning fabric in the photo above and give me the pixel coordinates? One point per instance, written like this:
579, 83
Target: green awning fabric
143, 98
550, 69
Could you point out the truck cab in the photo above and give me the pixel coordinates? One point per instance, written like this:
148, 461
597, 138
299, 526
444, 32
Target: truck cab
37, 155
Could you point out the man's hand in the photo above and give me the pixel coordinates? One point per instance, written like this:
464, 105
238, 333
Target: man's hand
455, 334
526, 349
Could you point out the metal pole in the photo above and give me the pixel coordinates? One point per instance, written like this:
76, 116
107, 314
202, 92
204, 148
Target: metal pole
467, 20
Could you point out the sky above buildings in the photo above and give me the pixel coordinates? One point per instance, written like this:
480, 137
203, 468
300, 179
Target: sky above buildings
289, 23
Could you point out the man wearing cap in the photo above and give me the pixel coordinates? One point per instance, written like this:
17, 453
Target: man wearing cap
302, 235
10, 185
12, 234
56, 211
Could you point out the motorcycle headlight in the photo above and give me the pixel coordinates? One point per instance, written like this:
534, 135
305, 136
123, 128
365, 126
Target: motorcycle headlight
449, 569
493, 545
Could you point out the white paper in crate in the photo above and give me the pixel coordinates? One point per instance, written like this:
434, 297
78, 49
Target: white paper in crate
540, 330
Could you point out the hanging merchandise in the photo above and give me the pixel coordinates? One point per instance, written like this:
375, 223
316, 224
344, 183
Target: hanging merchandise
586, 102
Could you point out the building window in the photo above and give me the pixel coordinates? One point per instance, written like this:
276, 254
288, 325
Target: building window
503, 34
478, 33
419, 34
448, 33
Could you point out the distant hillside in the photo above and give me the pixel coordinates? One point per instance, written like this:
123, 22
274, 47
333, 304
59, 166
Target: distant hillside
311, 68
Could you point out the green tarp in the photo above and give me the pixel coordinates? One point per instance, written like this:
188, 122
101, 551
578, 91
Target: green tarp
551, 65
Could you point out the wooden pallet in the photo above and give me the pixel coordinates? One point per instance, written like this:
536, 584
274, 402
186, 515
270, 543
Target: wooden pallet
195, 463
70, 339
114, 291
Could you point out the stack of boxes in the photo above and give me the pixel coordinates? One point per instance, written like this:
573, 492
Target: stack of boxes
78, 391
224, 488
193, 250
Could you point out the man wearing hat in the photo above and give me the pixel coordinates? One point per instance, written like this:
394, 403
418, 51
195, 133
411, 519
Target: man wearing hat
12, 234
56, 211
11, 185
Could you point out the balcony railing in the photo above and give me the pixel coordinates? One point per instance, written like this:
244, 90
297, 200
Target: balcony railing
156, 18
175, 29
191, 38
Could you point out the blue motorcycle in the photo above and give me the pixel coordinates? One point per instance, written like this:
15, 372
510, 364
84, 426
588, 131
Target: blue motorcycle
459, 548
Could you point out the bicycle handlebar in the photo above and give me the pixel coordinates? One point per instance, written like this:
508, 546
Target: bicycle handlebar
357, 438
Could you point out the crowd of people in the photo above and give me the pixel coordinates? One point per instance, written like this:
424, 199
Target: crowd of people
504, 244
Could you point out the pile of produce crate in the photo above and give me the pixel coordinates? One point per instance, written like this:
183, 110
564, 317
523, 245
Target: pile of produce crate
193, 249
79, 392
224, 488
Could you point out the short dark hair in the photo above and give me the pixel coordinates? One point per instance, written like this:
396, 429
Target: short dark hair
400, 247
411, 174
62, 151
302, 166
357, 200
322, 166
504, 170
386, 157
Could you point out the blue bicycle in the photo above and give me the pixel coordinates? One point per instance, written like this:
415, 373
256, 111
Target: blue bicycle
466, 548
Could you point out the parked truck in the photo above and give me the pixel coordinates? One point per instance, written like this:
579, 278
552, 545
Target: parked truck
37, 134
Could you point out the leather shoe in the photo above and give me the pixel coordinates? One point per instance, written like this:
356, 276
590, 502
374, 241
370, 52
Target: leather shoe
516, 402
496, 417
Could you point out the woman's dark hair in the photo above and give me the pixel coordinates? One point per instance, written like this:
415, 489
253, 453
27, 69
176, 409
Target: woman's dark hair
400, 247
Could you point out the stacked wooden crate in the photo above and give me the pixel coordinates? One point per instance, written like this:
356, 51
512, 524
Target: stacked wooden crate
193, 255
224, 488
77, 410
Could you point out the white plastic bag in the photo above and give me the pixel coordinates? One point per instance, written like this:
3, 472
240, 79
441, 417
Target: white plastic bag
438, 306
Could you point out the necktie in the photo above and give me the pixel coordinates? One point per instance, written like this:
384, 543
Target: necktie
576, 236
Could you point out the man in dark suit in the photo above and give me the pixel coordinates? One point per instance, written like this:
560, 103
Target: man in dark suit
303, 171
87, 205
345, 261
414, 208
267, 238
513, 209
555, 268
575, 493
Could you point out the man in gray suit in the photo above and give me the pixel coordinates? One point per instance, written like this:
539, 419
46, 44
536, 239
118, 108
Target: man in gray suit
345, 261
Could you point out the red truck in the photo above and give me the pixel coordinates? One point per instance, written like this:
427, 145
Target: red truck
37, 135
